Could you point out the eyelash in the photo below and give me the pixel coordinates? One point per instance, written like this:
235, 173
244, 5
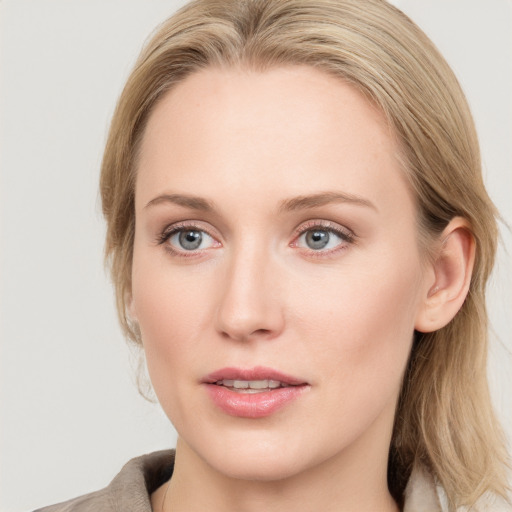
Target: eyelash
169, 231
347, 236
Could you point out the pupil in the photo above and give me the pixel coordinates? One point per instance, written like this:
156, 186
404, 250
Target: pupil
317, 239
190, 239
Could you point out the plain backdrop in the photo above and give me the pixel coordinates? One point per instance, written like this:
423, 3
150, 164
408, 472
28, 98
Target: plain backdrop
70, 412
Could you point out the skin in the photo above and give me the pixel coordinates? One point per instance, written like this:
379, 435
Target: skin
256, 294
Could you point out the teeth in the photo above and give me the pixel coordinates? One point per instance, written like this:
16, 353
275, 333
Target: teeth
258, 384
250, 385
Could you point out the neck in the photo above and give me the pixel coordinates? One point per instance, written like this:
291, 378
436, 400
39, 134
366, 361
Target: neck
349, 482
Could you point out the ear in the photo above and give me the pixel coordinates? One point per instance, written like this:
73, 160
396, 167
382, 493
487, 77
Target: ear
450, 277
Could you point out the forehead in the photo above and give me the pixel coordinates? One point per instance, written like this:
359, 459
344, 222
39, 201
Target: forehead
286, 129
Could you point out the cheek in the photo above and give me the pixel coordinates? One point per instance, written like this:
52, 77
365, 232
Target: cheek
167, 310
363, 320
370, 299
165, 300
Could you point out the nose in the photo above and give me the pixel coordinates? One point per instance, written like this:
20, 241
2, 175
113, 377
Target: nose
250, 300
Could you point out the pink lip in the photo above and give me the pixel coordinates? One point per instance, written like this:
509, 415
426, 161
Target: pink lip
257, 405
256, 373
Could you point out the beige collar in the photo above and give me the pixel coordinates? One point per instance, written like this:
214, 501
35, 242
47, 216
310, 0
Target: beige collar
421, 492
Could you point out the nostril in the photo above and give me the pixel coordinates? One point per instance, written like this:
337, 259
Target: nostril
261, 332
258, 333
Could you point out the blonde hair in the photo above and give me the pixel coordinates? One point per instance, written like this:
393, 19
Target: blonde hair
444, 417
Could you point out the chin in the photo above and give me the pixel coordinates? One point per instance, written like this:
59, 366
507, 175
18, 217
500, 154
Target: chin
262, 467
256, 458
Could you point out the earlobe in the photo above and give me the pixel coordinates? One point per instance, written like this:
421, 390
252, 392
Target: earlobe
452, 269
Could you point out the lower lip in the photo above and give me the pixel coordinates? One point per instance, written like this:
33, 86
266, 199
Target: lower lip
253, 405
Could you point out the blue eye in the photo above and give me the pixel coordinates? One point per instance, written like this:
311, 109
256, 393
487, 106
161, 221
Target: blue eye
322, 236
319, 239
190, 240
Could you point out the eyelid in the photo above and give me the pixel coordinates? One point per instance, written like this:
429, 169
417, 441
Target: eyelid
326, 225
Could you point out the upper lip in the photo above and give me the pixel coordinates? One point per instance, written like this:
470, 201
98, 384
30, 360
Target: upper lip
248, 374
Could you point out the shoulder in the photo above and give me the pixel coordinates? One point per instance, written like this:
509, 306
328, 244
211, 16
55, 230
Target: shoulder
424, 494
129, 491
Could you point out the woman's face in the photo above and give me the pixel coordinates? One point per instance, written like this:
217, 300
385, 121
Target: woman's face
276, 272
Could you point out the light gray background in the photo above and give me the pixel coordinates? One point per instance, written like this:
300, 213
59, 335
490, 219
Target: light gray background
70, 413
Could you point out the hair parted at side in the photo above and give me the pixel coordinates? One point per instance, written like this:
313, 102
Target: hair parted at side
444, 417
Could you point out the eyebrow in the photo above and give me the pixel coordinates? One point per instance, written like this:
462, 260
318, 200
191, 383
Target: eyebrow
293, 204
187, 201
322, 199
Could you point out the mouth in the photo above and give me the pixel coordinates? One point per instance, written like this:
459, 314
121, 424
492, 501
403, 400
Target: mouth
252, 386
251, 380
253, 393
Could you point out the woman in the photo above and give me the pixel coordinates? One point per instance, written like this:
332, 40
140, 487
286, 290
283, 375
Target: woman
300, 239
